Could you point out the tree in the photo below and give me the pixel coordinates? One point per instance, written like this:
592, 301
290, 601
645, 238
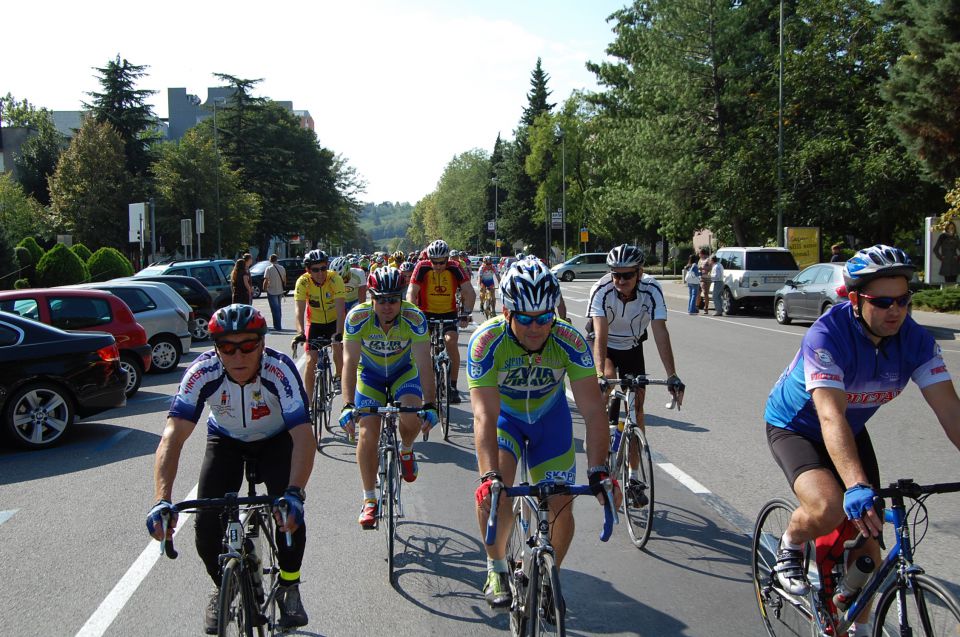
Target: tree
9, 268
37, 157
461, 199
108, 263
82, 251
923, 82
60, 266
20, 214
125, 108
91, 188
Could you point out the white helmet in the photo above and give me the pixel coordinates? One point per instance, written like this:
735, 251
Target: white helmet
529, 286
438, 249
876, 262
625, 256
341, 266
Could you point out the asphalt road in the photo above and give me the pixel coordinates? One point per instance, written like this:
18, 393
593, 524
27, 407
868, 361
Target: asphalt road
75, 558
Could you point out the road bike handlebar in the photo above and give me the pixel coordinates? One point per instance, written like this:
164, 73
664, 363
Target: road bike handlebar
166, 544
639, 382
544, 490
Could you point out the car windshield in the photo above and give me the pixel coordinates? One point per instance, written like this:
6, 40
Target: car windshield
770, 261
153, 270
259, 268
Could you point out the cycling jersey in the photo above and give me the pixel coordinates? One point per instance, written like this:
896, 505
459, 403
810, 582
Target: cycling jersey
321, 299
487, 276
627, 321
530, 383
352, 284
273, 402
438, 290
385, 354
837, 353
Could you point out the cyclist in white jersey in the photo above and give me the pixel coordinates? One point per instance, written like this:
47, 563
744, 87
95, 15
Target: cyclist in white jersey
623, 304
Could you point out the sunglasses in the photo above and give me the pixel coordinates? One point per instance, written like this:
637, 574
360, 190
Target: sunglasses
542, 319
623, 276
886, 302
440, 262
390, 300
247, 346
322, 268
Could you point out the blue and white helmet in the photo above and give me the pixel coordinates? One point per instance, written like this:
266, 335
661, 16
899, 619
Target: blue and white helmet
438, 249
529, 286
341, 266
876, 262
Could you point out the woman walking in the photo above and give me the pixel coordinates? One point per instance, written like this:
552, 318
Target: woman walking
240, 286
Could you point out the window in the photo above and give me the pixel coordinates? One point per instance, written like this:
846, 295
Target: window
206, 275
770, 261
595, 259
227, 269
26, 308
826, 274
9, 335
730, 260
136, 300
807, 277
78, 313
177, 272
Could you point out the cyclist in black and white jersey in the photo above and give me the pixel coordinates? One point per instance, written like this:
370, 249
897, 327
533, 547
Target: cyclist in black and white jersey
623, 304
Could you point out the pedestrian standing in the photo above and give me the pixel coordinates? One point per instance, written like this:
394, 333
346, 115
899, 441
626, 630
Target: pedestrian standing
704, 265
716, 274
275, 285
691, 276
241, 288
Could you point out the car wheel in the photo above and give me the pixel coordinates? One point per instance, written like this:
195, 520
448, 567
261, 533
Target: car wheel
780, 311
727, 302
256, 291
826, 307
166, 354
567, 276
200, 329
133, 368
37, 415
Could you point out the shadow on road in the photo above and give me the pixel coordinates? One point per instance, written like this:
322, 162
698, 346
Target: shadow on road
651, 420
89, 445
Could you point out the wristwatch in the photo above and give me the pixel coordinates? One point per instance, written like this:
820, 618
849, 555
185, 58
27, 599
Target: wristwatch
297, 491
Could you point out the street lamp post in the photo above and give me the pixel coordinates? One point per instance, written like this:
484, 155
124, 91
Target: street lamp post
563, 190
216, 148
780, 237
496, 221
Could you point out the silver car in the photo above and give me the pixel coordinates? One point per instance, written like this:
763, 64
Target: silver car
163, 314
809, 294
589, 265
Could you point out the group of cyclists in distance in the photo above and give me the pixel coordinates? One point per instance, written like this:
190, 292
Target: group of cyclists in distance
376, 312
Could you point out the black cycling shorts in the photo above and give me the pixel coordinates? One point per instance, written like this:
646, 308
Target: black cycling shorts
628, 361
444, 316
320, 330
795, 453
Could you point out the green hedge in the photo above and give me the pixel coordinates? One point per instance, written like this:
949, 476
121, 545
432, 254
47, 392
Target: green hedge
945, 300
36, 253
60, 266
108, 263
81, 251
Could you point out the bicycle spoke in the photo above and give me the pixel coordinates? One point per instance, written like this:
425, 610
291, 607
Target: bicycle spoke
638, 514
929, 609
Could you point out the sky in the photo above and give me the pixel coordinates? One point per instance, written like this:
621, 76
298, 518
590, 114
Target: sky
398, 88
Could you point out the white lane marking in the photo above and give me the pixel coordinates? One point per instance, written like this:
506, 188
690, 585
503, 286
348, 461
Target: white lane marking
114, 602
683, 478
6, 515
569, 313
147, 400
574, 298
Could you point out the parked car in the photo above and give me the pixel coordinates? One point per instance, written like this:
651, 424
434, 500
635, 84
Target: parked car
587, 265
809, 294
194, 293
214, 274
49, 377
164, 319
87, 310
752, 276
293, 267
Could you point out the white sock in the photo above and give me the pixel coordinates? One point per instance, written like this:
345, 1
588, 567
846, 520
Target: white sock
404, 448
858, 629
787, 543
634, 475
370, 495
497, 566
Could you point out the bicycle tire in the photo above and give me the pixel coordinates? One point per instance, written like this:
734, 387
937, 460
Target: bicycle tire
329, 394
390, 506
934, 609
639, 518
516, 548
445, 418
549, 618
266, 547
782, 614
235, 613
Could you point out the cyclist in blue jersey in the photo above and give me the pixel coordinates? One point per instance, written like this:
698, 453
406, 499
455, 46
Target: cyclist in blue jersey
855, 358
517, 363
258, 413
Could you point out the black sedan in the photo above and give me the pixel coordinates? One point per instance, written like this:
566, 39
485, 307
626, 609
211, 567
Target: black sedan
49, 377
294, 268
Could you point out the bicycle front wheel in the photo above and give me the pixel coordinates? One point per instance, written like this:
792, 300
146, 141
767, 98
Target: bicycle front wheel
781, 612
516, 547
445, 405
389, 512
639, 513
235, 613
919, 606
547, 616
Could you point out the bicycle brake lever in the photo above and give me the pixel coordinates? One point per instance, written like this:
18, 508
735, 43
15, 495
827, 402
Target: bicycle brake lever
608, 489
284, 511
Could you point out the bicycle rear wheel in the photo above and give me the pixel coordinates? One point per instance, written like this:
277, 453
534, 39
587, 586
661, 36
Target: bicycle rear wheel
781, 612
516, 547
639, 516
547, 617
236, 615
928, 609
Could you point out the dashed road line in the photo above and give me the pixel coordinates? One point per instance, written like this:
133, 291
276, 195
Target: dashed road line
6, 515
683, 478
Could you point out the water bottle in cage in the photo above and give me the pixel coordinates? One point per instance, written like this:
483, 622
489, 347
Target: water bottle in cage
856, 577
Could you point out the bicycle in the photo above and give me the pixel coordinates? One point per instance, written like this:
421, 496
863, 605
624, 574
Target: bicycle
488, 301
935, 610
441, 371
323, 388
389, 506
538, 607
625, 436
245, 605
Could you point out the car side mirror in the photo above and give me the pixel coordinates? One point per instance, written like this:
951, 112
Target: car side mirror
790, 282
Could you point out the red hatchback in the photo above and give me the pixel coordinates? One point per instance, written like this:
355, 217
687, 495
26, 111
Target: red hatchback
89, 311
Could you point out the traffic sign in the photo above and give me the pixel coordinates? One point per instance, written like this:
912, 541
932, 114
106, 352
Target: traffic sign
556, 220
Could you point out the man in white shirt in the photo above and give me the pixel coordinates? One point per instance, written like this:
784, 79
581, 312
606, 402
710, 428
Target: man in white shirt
275, 284
716, 275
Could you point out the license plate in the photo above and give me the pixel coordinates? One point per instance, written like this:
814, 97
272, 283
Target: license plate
773, 279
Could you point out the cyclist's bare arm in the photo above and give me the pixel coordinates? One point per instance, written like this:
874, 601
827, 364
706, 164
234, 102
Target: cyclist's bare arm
942, 398
661, 337
469, 296
348, 378
413, 292
421, 358
486, 411
600, 328
362, 294
301, 310
175, 434
340, 304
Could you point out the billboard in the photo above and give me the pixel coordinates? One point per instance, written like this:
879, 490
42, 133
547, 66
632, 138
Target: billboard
804, 243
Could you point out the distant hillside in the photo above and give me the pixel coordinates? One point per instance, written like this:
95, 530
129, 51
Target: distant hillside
385, 221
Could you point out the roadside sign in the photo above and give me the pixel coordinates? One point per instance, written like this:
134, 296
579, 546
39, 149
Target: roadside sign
186, 232
584, 235
556, 220
491, 226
